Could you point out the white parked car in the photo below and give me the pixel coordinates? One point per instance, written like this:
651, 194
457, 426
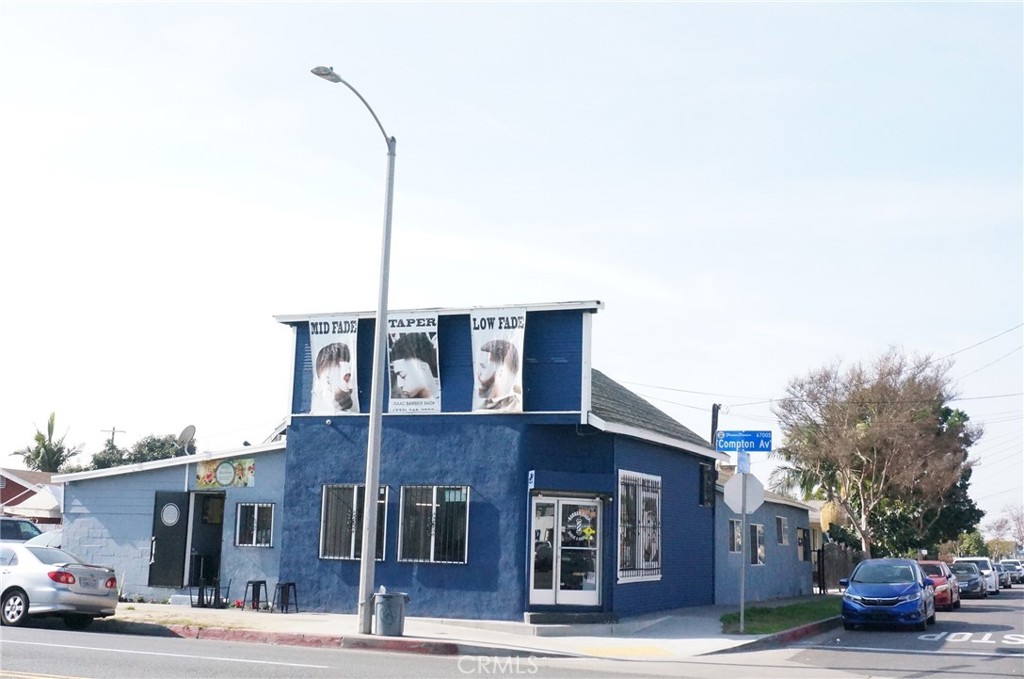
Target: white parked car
988, 571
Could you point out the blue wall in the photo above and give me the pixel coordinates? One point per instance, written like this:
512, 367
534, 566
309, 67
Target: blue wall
493, 455
483, 452
783, 574
687, 541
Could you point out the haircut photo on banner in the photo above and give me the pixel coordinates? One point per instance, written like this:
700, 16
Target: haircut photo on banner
415, 381
332, 345
497, 360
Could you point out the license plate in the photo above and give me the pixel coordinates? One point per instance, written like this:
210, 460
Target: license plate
88, 582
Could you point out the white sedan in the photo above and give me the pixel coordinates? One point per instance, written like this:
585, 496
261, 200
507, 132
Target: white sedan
44, 581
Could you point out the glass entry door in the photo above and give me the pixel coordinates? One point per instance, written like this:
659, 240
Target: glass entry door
566, 559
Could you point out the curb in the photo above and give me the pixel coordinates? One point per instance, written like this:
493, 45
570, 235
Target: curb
358, 642
784, 637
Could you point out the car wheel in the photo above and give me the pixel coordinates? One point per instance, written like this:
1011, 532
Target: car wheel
14, 609
949, 607
956, 604
922, 626
77, 621
930, 620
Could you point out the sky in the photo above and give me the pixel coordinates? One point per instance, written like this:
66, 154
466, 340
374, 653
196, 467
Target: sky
753, 191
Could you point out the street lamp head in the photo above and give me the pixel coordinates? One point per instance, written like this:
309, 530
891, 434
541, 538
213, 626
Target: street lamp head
326, 72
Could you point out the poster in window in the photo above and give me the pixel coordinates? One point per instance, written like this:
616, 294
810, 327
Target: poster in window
650, 530
497, 341
332, 346
412, 354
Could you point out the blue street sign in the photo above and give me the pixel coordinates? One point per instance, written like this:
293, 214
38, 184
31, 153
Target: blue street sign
750, 441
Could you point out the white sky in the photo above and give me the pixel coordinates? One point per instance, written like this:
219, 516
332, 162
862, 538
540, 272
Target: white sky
754, 190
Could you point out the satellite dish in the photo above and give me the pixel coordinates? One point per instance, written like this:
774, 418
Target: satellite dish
185, 438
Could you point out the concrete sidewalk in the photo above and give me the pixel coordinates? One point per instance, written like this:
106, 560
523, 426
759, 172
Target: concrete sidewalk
670, 635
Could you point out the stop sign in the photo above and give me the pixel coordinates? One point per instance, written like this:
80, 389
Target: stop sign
733, 492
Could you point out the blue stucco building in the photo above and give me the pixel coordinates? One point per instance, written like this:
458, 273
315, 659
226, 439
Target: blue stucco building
568, 496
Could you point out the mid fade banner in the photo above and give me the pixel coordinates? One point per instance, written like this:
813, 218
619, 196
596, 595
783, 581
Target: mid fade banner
412, 350
332, 347
497, 340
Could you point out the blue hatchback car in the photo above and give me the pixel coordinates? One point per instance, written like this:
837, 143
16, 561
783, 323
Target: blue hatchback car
888, 592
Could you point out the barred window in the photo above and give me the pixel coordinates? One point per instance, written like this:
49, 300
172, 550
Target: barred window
434, 524
756, 544
735, 536
782, 530
254, 524
803, 544
341, 521
639, 526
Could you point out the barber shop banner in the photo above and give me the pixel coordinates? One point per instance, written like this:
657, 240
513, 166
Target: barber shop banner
412, 354
497, 340
332, 346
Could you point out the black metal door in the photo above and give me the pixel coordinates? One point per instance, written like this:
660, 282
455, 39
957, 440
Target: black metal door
170, 537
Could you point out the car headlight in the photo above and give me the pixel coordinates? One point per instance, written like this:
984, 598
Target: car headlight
911, 597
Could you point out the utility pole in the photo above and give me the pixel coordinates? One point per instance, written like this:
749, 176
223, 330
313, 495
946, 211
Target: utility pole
715, 407
113, 431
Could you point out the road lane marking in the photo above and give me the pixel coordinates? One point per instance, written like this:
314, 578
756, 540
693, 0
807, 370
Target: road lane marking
1006, 653
170, 655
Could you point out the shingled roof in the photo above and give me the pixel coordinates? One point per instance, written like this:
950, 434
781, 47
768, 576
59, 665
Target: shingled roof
613, 403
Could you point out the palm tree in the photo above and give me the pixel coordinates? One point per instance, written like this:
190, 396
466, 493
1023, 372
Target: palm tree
48, 455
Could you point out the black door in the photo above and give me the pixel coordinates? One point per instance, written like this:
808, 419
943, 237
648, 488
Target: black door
170, 535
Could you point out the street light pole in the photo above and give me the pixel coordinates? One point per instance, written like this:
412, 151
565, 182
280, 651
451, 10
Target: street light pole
370, 492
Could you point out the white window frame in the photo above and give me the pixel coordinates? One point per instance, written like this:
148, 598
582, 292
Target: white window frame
782, 530
757, 550
353, 549
647, 507
735, 536
260, 537
433, 537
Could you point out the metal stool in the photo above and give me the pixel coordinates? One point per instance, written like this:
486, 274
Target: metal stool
285, 594
259, 592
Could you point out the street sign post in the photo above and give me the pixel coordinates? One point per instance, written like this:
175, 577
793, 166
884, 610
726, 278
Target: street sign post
740, 494
736, 495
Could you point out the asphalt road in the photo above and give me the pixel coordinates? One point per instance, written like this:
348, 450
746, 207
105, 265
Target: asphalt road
983, 638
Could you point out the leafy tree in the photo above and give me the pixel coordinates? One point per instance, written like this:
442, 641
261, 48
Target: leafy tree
1015, 516
48, 454
902, 527
1000, 549
153, 447
972, 544
877, 441
110, 456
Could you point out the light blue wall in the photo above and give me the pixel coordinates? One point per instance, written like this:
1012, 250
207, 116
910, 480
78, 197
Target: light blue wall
109, 521
783, 573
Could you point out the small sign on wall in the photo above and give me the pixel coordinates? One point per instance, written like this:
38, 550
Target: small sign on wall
239, 473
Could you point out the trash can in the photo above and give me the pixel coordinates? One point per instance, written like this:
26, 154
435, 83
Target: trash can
389, 611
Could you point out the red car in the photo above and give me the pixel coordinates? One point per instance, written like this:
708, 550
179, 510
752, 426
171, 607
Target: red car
947, 588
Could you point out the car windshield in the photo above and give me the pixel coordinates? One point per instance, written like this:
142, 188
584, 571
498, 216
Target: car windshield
884, 572
964, 568
932, 570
